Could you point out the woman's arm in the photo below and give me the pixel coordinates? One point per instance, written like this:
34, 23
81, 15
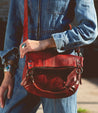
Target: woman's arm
12, 40
84, 33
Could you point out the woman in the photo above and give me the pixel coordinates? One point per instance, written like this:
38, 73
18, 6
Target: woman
47, 22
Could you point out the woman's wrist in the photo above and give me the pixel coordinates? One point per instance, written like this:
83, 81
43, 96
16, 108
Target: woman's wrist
48, 43
10, 66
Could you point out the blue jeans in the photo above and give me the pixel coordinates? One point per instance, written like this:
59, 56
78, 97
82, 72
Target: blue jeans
23, 104
21, 101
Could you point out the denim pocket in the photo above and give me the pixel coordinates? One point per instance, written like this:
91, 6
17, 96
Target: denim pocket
57, 6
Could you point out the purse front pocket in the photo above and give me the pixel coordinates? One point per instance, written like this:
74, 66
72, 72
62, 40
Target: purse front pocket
52, 79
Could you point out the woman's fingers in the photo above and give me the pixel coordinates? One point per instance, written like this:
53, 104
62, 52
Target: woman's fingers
23, 47
10, 90
2, 94
26, 47
6, 88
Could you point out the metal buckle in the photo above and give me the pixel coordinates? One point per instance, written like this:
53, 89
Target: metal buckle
79, 67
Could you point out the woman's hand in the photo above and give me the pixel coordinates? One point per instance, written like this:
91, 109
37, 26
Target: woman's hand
6, 88
33, 46
29, 45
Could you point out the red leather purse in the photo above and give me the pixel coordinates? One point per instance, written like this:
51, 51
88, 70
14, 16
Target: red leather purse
49, 74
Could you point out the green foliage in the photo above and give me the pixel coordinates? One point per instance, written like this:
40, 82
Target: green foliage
80, 110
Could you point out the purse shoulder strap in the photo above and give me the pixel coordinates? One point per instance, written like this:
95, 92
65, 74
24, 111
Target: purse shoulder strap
25, 24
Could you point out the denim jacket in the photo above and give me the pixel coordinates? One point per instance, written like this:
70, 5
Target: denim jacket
48, 18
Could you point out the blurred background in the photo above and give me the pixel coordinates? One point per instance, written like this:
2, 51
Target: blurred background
90, 74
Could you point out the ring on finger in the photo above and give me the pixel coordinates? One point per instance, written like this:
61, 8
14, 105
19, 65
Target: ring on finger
23, 45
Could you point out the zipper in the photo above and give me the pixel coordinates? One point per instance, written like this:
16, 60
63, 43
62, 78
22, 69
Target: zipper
39, 12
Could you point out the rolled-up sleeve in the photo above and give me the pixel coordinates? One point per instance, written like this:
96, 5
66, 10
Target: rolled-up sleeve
84, 33
9, 54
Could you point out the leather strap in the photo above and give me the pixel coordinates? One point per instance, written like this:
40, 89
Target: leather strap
25, 26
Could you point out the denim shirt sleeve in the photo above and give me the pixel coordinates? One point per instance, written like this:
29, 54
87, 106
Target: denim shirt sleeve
84, 33
13, 29
8, 54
